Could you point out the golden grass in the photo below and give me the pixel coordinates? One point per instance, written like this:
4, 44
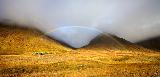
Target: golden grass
27, 52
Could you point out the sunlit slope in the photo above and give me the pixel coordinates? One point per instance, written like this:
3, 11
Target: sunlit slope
15, 40
27, 52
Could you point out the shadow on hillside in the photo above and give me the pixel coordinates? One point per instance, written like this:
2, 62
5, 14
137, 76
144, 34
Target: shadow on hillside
152, 43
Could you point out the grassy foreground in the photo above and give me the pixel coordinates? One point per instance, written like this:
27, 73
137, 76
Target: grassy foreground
29, 53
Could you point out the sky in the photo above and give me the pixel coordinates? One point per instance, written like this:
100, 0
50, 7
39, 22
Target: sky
133, 20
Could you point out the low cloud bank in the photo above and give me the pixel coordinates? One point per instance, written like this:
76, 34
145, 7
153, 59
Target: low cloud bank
134, 20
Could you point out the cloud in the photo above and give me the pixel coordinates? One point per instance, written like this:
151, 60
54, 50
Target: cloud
133, 20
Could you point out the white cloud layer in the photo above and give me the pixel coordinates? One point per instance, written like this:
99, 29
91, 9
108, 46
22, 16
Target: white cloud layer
133, 20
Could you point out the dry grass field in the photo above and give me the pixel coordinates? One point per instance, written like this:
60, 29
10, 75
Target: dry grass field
28, 53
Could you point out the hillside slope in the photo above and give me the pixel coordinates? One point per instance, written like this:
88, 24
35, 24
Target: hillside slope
152, 43
27, 52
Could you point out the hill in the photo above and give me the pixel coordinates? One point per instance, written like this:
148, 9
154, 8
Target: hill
152, 43
27, 52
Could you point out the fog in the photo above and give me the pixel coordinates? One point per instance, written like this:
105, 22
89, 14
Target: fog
133, 20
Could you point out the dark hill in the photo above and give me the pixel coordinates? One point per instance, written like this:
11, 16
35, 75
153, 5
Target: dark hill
153, 43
